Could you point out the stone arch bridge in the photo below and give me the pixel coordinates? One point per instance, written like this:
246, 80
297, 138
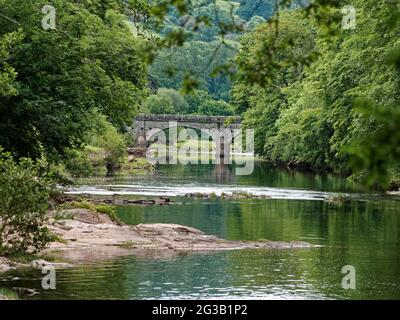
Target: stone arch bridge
146, 124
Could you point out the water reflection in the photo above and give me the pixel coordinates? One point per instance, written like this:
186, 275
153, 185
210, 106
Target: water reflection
365, 234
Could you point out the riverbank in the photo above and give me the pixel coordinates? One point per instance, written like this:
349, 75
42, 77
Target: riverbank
85, 236
393, 185
96, 232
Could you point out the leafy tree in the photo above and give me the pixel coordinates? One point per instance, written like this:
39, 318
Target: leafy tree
251, 8
7, 72
90, 63
254, 22
216, 108
218, 16
24, 194
200, 58
263, 104
194, 100
339, 110
179, 103
156, 104
111, 142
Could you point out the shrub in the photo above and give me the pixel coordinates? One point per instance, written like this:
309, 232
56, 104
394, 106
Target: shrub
107, 210
111, 142
216, 108
24, 199
159, 104
78, 163
100, 208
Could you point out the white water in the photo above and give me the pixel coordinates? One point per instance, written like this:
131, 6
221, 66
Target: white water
181, 190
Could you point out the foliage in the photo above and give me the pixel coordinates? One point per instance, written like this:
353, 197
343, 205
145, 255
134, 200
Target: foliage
24, 199
178, 102
171, 66
263, 104
91, 63
111, 142
194, 99
298, 75
8, 294
157, 104
7, 72
254, 22
216, 108
78, 163
263, 8
322, 101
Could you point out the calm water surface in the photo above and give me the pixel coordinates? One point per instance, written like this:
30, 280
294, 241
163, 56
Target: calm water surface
363, 232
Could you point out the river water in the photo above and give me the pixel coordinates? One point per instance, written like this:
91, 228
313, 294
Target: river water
363, 231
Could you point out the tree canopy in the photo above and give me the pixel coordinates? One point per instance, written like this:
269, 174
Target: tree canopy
55, 80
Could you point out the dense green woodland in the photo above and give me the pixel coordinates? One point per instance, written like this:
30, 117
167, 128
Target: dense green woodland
202, 52
346, 101
317, 96
208, 45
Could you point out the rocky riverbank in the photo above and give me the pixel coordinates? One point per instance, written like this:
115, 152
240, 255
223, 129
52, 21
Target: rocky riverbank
100, 236
86, 236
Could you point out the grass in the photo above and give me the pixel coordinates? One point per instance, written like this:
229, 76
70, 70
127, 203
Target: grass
23, 258
127, 244
137, 164
100, 208
61, 215
8, 294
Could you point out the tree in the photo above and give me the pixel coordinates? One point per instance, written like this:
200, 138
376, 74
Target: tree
254, 22
333, 108
198, 58
194, 100
24, 194
262, 104
251, 8
156, 104
7, 72
91, 63
179, 104
215, 108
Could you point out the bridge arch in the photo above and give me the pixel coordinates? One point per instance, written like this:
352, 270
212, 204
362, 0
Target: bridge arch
145, 123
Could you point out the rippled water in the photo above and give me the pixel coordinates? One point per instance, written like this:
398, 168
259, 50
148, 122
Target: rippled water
363, 231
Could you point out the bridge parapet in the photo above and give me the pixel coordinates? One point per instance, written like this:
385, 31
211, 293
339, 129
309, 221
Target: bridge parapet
188, 118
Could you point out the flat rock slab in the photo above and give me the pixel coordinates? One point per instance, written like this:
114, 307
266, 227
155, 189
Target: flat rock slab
97, 237
7, 264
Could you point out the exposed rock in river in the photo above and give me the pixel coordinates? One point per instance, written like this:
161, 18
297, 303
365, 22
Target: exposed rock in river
114, 200
87, 236
104, 237
7, 264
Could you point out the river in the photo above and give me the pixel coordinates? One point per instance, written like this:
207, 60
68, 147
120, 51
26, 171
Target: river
363, 231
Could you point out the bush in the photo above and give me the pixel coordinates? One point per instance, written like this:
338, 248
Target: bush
111, 142
78, 163
24, 200
216, 108
100, 208
156, 104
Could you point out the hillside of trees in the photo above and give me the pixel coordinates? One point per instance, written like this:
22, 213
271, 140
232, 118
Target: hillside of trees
317, 95
336, 111
202, 53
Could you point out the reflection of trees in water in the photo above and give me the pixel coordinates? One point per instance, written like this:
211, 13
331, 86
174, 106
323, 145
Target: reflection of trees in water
363, 234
